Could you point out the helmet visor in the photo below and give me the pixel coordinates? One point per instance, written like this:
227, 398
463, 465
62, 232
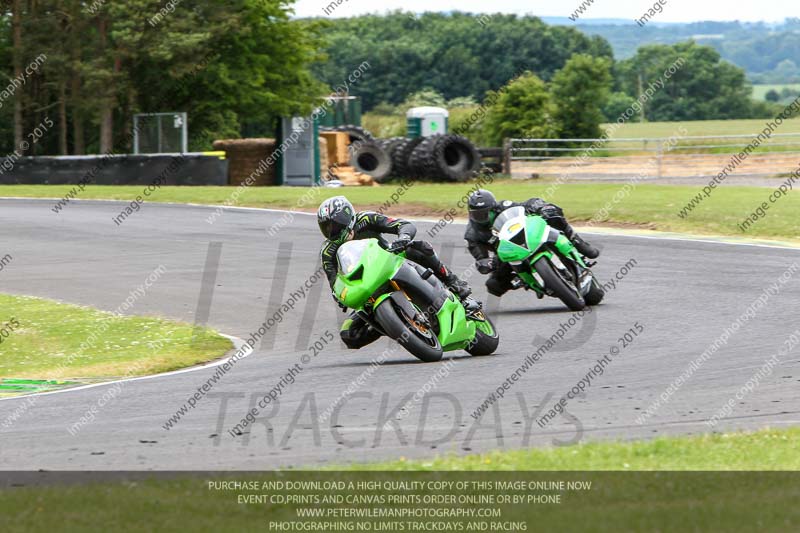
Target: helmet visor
333, 230
480, 215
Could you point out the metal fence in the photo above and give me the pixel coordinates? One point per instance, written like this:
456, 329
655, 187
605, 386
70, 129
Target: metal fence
160, 133
652, 158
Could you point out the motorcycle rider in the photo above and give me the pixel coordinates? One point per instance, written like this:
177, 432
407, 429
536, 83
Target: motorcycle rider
339, 223
483, 209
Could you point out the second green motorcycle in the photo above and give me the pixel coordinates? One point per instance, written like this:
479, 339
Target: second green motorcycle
544, 259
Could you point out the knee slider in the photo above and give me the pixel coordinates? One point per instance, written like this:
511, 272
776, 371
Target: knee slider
552, 211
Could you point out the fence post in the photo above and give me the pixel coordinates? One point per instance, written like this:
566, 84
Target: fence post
507, 157
660, 156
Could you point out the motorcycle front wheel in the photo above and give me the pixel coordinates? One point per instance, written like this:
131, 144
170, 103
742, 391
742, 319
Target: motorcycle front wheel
561, 288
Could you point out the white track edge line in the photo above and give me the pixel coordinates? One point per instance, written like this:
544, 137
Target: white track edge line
238, 344
670, 237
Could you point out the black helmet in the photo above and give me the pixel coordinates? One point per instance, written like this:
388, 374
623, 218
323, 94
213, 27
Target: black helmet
336, 217
481, 203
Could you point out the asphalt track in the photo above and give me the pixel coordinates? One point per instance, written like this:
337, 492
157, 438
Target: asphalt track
684, 294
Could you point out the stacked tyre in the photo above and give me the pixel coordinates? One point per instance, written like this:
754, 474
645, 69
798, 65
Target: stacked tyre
438, 158
367, 154
357, 134
445, 158
371, 158
401, 157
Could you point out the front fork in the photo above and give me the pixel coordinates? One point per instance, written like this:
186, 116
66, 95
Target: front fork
563, 257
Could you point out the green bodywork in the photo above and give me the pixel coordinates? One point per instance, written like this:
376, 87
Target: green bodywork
374, 267
370, 267
536, 233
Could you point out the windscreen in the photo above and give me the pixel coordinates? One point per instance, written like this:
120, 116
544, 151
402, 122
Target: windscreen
349, 255
507, 215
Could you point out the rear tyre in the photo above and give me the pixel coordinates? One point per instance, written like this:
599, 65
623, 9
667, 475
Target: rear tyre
486, 339
595, 294
420, 340
556, 284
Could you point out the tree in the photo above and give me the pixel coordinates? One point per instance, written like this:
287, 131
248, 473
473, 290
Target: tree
461, 101
231, 64
772, 96
258, 69
580, 90
523, 109
616, 106
450, 53
685, 81
425, 97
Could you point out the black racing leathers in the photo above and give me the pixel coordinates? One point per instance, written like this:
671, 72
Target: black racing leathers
477, 237
371, 225
368, 225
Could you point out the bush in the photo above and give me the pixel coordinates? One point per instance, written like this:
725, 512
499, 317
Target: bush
617, 105
524, 109
580, 91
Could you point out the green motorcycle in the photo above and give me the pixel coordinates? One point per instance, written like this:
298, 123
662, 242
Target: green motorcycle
544, 259
407, 303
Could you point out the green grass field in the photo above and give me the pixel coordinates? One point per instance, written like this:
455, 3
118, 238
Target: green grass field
700, 128
385, 126
647, 206
760, 91
56, 341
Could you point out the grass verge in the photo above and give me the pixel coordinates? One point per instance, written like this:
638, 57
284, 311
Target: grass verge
648, 206
55, 341
769, 449
608, 501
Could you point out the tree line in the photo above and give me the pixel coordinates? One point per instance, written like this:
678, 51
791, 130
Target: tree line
78, 71
231, 64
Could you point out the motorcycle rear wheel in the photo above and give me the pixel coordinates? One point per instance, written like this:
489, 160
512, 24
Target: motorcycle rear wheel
420, 340
486, 339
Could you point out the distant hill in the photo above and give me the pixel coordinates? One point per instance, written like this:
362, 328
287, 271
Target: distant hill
565, 21
769, 53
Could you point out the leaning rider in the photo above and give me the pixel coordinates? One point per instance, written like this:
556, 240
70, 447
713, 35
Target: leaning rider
483, 210
340, 223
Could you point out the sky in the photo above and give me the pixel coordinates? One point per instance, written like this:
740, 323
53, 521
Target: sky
673, 10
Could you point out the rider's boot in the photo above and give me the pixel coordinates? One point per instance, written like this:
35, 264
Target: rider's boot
454, 283
583, 247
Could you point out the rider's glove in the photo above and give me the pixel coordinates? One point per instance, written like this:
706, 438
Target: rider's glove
339, 303
485, 266
400, 244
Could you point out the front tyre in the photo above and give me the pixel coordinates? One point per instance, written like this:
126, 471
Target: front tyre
486, 339
553, 281
420, 340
